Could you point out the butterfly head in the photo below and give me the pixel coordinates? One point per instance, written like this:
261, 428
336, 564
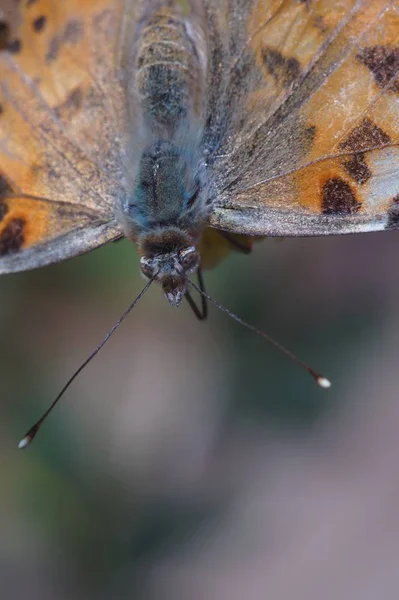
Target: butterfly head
170, 258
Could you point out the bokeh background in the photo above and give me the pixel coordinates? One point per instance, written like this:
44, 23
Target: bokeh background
190, 460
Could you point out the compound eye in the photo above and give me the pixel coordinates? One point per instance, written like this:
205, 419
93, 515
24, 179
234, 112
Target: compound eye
146, 268
189, 259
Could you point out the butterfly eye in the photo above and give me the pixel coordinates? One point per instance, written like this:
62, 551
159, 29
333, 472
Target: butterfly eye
189, 259
146, 268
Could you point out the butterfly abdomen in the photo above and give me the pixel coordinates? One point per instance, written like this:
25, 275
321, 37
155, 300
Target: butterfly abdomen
170, 71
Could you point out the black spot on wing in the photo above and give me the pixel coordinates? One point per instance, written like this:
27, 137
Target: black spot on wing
4, 35
72, 34
5, 188
53, 48
12, 237
14, 47
338, 198
308, 136
382, 61
393, 215
71, 105
3, 209
5, 191
357, 168
39, 24
284, 70
364, 137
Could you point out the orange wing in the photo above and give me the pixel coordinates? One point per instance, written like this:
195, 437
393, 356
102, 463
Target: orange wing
312, 95
62, 125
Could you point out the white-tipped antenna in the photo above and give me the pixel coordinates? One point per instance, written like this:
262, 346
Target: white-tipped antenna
24, 442
30, 435
322, 381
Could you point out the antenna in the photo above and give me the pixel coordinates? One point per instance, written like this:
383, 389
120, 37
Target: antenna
318, 377
31, 434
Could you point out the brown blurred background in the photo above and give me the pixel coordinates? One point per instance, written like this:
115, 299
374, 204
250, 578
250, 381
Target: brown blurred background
190, 460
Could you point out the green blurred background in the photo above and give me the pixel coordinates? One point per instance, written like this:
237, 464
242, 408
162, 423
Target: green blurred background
191, 460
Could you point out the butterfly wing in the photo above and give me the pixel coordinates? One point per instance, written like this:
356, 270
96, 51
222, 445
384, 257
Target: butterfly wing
308, 139
62, 124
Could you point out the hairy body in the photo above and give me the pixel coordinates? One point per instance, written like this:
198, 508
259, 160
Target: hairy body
167, 209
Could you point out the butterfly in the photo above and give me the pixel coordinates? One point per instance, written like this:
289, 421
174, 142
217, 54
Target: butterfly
193, 126
157, 120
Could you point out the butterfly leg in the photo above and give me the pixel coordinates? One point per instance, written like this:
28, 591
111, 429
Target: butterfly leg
200, 313
235, 243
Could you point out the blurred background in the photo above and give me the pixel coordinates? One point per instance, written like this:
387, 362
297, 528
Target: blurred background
191, 460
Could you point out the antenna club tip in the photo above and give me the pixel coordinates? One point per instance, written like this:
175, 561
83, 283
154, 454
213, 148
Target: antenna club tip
323, 382
24, 442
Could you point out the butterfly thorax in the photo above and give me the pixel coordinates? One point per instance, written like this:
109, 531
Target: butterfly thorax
166, 215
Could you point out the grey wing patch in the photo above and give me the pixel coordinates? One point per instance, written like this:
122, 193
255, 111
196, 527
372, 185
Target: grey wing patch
73, 242
284, 223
